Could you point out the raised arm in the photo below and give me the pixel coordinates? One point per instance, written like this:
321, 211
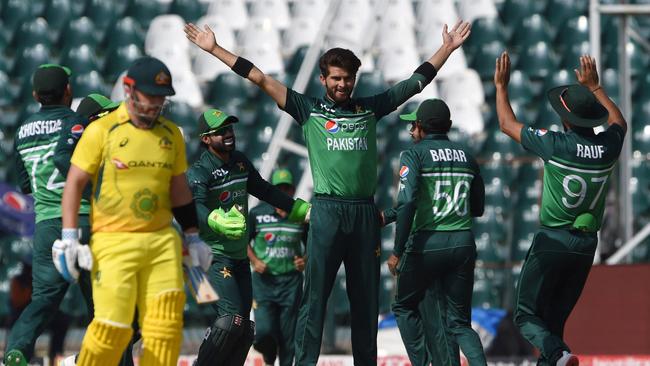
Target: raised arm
206, 40
507, 120
450, 42
588, 77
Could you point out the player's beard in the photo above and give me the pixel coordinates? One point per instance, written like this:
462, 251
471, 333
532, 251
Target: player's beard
339, 95
146, 113
225, 145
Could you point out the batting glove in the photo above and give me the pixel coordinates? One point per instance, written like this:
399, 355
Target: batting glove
64, 255
231, 224
300, 211
199, 252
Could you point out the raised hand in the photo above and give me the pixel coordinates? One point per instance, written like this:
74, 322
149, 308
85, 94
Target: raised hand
205, 38
588, 73
502, 70
459, 33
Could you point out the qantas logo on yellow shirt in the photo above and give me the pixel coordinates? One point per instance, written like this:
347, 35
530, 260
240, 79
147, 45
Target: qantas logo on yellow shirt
140, 164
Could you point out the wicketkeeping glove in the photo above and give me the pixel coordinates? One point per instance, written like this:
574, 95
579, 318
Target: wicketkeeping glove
64, 256
231, 224
199, 252
300, 211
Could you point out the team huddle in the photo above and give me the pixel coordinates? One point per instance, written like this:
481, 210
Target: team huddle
110, 178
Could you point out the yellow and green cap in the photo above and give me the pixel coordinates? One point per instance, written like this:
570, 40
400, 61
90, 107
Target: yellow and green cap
281, 176
213, 120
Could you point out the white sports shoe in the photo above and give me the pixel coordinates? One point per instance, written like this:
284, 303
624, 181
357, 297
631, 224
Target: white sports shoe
568, 359
68, 361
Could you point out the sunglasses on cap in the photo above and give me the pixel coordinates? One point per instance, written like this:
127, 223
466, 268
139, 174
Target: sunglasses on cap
219, 132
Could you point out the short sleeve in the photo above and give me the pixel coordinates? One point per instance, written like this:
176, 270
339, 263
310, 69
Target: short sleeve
539, 141
87, 155
180, 163
298, 106
615, 136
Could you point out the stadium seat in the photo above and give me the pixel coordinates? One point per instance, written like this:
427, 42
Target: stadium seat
232, 10
6, 94
497, 142
538, 60
120, 60
205, 66
226, 87
370, 83
278, 9
350, 25
58, 14
189, 10
260, 31
88, 83
610, 81
81, 59
515, 10
14, 12
558, 11
144, 11
401, 10
29, 59
530, 30
103, 14
463, 86
519, 89
466, 116
484, 30
187, 88
123, 32
315, 9
483, 61
558, 78
33, 32
166, 32
572, 31
571, 55
471, 10
399, 63
638, 59
79, 31
77, 9
393, 32
301, 32
546, 116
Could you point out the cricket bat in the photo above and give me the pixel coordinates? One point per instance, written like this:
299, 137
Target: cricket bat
198, 284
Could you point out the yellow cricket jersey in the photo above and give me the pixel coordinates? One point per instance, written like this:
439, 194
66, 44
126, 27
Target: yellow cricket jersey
131, 171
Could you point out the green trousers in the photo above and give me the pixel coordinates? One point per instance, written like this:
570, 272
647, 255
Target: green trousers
441, 345
551, 281
48, 287
277, 300
341, 230
231, 278
444, 266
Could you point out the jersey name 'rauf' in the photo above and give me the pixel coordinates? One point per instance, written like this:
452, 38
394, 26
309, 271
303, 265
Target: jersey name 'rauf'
590, 151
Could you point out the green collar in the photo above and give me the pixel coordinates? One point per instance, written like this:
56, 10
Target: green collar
436, 136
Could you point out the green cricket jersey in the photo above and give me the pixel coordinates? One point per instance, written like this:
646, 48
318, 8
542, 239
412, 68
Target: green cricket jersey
342, 138
440, 189
215, 184
35, 144
276, 240
577, 172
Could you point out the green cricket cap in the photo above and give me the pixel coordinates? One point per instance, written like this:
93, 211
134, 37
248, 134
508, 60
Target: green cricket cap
94, 104
431, 112
213, 120
51, 78
150, 76
281, 176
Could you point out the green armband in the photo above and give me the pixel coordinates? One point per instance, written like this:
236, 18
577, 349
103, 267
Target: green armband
299, 211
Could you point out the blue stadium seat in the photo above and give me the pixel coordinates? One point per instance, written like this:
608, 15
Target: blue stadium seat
120, 60
190, 10
81, 59
58, 13
29, 59
530, 30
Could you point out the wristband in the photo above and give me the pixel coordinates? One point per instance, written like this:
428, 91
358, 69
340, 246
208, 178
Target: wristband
427, 70
242, 67
69, 234
599, 87
186, 216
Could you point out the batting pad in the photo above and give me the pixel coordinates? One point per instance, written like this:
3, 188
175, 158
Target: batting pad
103, 344
162, 329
